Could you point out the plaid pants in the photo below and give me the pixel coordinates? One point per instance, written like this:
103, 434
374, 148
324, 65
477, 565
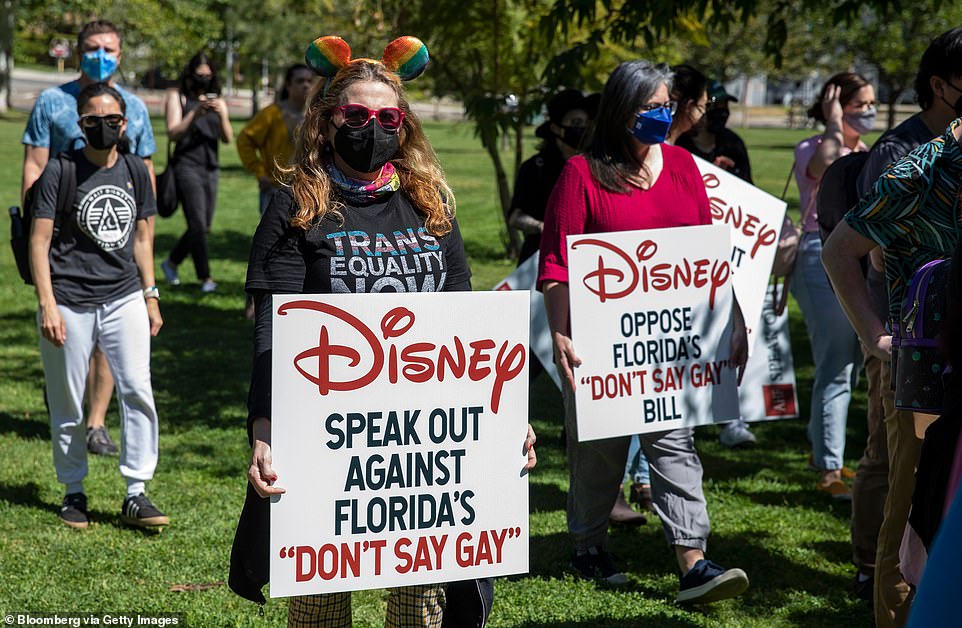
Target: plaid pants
420, 606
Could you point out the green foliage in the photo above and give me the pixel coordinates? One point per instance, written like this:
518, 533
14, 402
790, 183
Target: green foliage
888, 40
155, 33
652, 21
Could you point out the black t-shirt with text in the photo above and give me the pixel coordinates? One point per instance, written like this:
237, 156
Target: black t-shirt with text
92, 251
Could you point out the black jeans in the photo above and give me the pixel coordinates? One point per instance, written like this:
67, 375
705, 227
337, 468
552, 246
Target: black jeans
197, 190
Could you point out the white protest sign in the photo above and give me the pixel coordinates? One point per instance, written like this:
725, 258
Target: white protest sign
768, 389
398, 423
755, 218
651, 321
525, 277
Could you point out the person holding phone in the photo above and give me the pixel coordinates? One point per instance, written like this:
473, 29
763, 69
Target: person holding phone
197, 120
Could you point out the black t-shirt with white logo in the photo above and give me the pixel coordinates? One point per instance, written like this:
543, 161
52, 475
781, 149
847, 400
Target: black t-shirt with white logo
92, 252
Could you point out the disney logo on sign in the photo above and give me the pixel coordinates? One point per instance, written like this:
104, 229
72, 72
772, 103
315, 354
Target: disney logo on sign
740, 220
417, 362
617, 274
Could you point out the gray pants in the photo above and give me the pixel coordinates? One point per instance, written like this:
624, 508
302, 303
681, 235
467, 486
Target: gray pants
596, 469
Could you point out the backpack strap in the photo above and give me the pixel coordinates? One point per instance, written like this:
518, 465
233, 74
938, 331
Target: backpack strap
140, 177
66, 190
788, 181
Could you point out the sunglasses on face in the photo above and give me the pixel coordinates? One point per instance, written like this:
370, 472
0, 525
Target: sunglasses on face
671, 106
358, 116
113, 120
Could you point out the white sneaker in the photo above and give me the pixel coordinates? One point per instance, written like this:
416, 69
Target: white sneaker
736, 434
170, 272
208, 286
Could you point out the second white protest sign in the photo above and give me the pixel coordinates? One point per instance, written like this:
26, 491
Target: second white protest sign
650, 319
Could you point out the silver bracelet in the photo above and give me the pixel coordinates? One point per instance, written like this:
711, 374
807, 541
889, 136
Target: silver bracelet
152, 293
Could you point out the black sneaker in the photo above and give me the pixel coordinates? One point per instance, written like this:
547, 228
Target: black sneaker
596, 564
864, 588
707, 582
138, 511
73, 512
99, 443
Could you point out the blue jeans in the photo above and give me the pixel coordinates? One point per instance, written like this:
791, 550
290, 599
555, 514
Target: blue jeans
264, 199
834, 348
637, 468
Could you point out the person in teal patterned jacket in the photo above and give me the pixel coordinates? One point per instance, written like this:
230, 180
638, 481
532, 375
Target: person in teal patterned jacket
912, 213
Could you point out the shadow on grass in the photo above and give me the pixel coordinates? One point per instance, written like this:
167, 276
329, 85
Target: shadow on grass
25, 427
201, 364
203, 458
482, 252
19, 327
27, 495
546, 498
222, 244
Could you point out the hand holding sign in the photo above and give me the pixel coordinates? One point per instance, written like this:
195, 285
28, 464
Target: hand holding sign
528, 451
261, 473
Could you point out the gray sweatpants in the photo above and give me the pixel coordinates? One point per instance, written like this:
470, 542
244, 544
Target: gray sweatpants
596, 469
122, 330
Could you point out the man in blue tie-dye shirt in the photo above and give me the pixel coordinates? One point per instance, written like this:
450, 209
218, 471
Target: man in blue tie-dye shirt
54, 127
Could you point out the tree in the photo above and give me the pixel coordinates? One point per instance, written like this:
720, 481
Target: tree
894, 43
651, 21
155, 33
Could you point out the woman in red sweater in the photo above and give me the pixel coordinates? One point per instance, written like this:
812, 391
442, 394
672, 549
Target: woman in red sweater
628, 180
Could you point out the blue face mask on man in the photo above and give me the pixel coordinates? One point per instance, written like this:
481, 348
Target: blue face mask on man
99, 65
651, 127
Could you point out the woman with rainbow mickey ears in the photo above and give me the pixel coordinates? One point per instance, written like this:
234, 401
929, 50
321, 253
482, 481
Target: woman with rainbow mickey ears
361, 165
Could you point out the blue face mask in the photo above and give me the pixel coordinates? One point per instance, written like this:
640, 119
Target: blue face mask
651, 127
99, 65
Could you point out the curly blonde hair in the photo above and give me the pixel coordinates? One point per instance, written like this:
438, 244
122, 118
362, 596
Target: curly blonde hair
422, 179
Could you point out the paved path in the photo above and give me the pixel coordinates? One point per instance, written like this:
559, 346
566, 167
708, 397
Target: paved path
27, 84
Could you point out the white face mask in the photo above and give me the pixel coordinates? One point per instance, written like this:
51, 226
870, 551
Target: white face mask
861, 121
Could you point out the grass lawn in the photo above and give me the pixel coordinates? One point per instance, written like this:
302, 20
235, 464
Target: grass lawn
766, 516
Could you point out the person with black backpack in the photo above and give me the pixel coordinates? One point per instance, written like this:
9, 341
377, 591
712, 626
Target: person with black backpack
91, 259
52, 129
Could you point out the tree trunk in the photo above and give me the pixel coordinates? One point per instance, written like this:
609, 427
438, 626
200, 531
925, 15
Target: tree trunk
518, 144
894, 93
489, 139
255, 93
6, 55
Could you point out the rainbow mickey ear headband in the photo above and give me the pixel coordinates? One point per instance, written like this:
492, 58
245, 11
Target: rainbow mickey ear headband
405, 56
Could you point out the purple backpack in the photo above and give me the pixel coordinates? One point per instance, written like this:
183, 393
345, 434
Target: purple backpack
917, 363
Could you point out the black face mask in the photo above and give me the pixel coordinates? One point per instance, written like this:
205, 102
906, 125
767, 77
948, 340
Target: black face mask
368, 148
102, 136
957, 107
716, 119
573, 136
201, 83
